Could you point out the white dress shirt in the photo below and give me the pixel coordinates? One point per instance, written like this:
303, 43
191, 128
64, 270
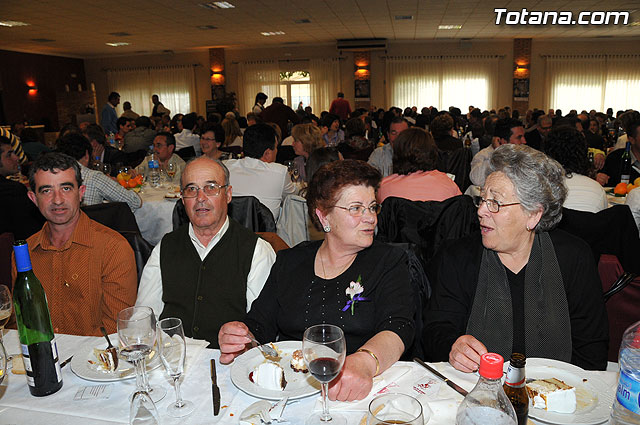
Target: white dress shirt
267, 181
584, 194
150, 289
186, 138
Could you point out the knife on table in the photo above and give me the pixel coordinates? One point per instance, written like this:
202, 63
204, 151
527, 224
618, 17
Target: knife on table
446, 380
214, 389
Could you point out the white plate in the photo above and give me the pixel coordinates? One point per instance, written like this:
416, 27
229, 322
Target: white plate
593, 396
80, 363
298, 384
172, 195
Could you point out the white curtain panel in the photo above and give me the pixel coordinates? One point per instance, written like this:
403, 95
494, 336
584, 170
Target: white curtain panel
622, 88
413, 82
442, 81
575, 83
469, 81
324, 76
174, 85
255, 77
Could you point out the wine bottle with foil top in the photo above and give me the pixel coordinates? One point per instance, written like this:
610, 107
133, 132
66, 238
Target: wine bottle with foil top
515, 387
39, 348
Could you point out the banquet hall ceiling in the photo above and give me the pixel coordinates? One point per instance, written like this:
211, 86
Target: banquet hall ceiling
81, 28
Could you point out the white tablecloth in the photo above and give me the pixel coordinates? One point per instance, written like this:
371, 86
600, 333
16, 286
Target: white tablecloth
17, 406
154, 217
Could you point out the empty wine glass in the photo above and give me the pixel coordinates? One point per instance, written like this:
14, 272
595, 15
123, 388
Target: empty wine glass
173, 349
137, 334
142, 410
393, 408
324, 350
5, 307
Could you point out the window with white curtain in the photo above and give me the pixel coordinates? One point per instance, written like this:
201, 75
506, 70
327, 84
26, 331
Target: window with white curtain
316, 89
592, 82
442, 81
174, 85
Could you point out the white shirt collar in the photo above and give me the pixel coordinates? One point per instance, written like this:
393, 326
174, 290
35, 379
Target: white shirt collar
203, 251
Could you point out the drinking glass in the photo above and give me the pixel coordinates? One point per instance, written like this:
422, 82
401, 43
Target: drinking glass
137, 334
324, 350
395, 409
106, 169
5, 307
142, 410
3, 362
173, 349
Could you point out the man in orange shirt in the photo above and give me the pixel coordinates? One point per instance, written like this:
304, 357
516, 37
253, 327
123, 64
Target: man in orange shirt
88, 271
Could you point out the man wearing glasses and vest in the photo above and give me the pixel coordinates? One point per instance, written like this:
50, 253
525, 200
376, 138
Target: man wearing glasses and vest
209, 271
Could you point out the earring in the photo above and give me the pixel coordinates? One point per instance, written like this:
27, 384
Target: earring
528, 230
326, 228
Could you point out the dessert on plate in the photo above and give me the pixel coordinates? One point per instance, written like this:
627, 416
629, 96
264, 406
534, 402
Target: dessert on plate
553, 395
297, 362
268, 375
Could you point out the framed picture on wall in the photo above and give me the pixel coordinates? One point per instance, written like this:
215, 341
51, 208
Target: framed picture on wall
362, 89
520, 89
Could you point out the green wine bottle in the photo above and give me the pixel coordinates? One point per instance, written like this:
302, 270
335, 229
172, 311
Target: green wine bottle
34, 327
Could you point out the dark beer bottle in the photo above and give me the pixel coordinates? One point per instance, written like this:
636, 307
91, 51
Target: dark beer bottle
34, 327
514, 387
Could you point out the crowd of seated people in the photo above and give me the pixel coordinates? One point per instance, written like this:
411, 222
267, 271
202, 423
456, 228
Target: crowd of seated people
228, 285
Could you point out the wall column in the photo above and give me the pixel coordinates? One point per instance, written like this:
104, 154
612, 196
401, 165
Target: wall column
521, 74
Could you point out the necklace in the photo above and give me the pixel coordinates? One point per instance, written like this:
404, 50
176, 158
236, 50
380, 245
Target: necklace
324, 273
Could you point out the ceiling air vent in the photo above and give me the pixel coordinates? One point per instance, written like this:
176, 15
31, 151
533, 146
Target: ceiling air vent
362, 44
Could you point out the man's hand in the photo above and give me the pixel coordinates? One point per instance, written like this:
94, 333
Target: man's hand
602, 178
233, 341
598, 161
356, 379
465, 353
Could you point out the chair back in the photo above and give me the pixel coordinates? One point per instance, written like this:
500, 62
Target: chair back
6, 248
427, 224
621, 302
274, 240
246, 210
458, 163
611, 231
293, 221
118, 216
114, 215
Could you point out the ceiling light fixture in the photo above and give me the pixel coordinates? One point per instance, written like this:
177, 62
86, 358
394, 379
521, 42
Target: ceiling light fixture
449, 27
120, 34
270, 33
207, 27
403, 17
302, 21
217, 5
13, 24
117, 44
42, 40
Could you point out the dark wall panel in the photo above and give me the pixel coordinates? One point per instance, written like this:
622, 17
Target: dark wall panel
50, 74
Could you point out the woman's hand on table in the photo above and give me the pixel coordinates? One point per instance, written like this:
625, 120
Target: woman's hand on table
355, 380
465, 353
233, 341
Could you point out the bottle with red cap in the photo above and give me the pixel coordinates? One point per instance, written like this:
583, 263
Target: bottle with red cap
487, 403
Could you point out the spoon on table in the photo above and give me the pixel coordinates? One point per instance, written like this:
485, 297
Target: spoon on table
266, 350
110, 348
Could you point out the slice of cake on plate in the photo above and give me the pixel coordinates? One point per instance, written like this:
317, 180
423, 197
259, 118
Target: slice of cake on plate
553, 395
268, 375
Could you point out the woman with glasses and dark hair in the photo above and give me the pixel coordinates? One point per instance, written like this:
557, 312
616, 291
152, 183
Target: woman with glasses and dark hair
518, 286
347, 280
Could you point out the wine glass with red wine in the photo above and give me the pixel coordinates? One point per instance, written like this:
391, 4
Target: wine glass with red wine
324, 350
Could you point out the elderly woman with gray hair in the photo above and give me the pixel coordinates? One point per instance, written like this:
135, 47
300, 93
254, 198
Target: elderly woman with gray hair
518, 285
